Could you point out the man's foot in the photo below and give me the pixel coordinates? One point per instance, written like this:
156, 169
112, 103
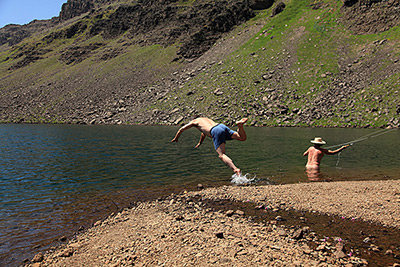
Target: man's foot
242, 121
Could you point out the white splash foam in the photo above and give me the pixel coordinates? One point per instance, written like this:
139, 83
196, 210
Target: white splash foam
242, 179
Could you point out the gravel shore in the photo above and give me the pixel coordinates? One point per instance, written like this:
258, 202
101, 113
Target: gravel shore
188, 229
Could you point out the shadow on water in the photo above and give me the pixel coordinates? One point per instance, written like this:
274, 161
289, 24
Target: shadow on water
57, 179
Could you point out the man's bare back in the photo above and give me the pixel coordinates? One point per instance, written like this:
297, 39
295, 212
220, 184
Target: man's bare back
315, 155
204, 125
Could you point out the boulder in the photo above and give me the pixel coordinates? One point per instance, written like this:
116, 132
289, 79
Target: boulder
278, 9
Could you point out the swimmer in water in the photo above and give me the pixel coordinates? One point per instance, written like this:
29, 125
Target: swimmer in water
315, 154
219, 133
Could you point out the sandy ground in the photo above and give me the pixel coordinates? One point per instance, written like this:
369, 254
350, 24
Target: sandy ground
184, 230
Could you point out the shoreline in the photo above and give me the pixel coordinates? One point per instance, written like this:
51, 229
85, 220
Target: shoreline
184, 229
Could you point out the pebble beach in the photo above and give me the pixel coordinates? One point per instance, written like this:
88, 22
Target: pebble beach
189, 230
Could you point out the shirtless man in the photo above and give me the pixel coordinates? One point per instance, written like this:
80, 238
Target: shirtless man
219, 133
316, 152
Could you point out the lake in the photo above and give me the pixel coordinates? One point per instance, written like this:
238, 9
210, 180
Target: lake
56, 180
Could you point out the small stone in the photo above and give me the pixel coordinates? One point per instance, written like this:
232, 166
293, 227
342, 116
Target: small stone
75, 245
307, 251
38, 257
229, 213
389, 252
200, 186
179, 218
366, 240
339, 254
220, 235
282, 232
178, 120
239, 212
298, 234
218, 92
339, 246
67, 252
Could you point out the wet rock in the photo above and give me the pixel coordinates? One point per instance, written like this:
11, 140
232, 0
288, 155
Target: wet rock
367, 240
389, 252
375, 248
38, 257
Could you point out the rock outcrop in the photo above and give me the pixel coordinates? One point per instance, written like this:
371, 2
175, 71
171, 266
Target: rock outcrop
73, 8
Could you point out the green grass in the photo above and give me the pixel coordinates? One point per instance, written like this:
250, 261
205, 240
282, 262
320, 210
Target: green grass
303, 47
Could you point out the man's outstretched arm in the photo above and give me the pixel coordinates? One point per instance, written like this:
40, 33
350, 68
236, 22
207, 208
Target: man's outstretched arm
202, 136
180, 131
333, 152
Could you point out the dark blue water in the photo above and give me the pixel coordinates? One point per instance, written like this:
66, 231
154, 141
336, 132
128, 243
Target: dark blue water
56, 178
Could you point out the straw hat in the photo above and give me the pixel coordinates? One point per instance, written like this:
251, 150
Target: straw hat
318, 141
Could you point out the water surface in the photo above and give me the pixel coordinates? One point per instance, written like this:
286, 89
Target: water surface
56, 178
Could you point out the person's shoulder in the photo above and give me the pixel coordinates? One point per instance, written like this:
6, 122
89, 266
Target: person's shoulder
324, 150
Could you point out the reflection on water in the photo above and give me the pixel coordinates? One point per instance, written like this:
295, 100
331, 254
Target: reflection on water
57, 177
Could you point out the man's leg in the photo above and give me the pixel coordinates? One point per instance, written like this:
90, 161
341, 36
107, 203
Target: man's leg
240, 135
221, 154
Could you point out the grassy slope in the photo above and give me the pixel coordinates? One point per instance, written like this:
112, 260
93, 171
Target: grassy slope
300, 49
305, 45
84, 76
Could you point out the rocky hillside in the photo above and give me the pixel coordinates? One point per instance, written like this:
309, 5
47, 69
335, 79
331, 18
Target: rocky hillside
287, 63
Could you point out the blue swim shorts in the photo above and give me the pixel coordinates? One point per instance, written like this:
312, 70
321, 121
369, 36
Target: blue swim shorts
220, 133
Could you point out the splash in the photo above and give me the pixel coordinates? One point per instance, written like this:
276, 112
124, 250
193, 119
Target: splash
242, 179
